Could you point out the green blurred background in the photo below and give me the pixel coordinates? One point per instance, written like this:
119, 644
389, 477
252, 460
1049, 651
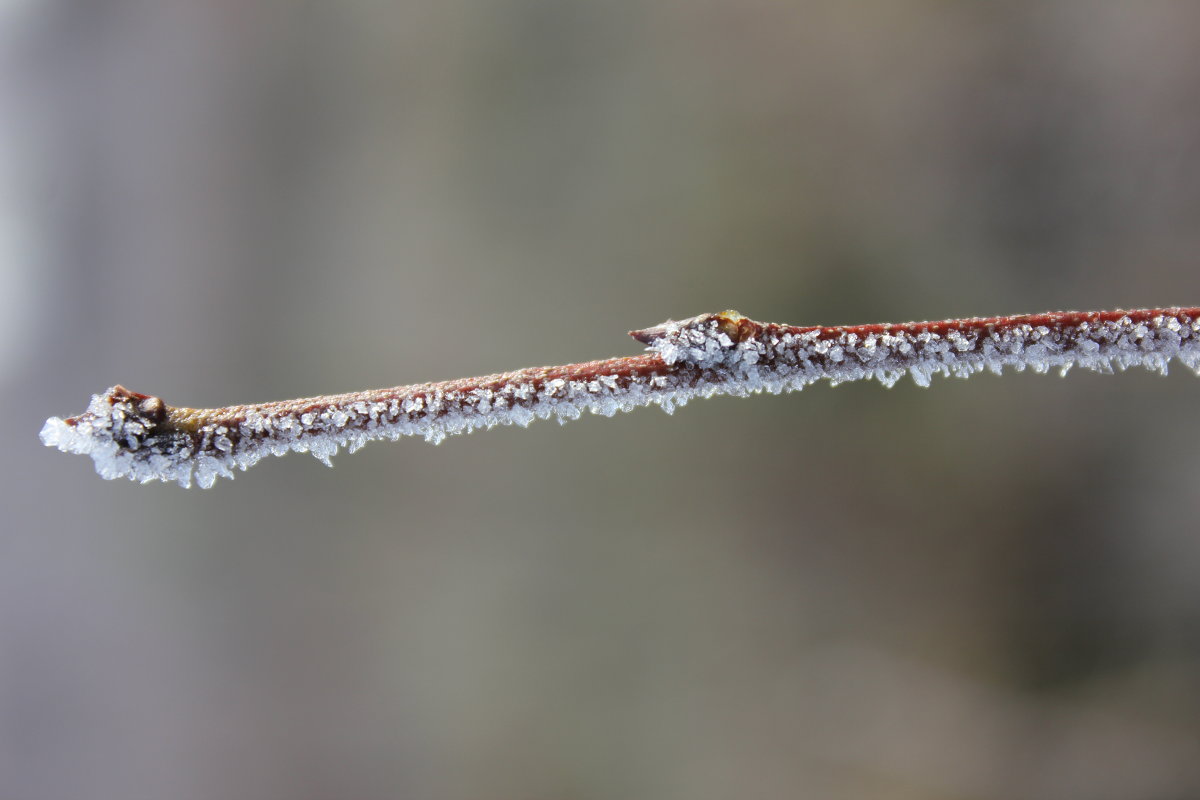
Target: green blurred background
985, 589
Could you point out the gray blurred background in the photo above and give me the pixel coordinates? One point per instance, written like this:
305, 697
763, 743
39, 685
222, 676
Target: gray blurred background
985, 589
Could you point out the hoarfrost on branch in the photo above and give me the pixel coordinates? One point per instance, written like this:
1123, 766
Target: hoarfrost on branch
138, 436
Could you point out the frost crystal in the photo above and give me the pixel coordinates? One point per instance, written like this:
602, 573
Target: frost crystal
138, 436
120, 431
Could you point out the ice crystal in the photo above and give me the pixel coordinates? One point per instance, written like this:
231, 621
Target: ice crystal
121, 432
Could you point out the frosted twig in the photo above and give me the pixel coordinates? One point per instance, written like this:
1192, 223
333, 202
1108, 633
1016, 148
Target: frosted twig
138, 436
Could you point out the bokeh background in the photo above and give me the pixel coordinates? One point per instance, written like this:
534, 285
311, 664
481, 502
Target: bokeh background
986, 589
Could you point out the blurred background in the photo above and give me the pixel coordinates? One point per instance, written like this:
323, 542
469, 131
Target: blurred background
985, 589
